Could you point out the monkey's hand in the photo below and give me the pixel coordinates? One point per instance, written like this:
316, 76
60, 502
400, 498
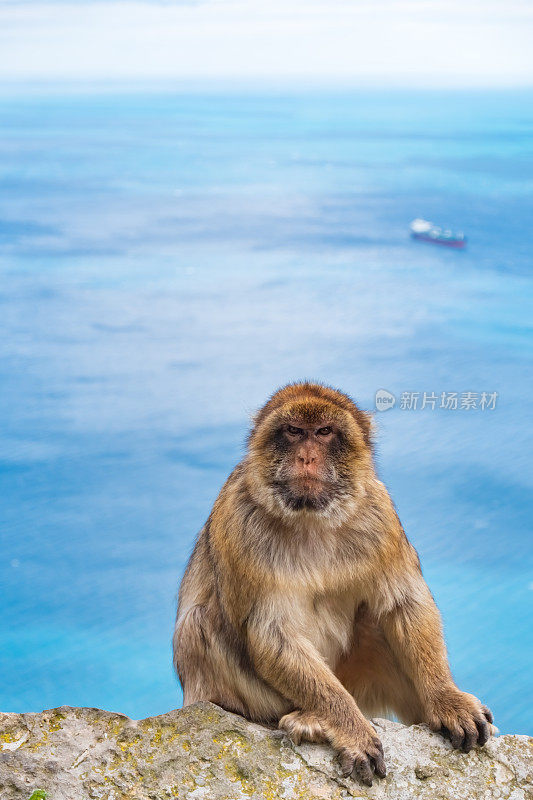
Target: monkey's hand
461, 718
360, 751
358, 745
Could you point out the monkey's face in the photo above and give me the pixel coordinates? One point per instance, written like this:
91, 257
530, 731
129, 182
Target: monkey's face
307, 456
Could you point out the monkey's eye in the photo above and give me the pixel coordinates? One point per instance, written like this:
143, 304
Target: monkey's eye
325, 431
294, 431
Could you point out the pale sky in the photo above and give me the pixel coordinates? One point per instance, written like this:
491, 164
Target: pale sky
411, 42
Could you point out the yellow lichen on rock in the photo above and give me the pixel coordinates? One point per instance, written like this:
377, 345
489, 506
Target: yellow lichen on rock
205, 753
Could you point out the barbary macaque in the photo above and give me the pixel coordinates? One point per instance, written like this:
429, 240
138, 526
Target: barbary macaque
303, 604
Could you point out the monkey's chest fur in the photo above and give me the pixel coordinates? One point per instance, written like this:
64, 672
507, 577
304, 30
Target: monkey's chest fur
329, 623
323, 604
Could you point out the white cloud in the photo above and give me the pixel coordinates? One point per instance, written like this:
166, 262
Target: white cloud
410, 41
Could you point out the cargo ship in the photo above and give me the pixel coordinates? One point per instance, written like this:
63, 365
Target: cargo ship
428, 232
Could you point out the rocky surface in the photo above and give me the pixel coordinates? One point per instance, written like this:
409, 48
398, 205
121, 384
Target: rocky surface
204, 753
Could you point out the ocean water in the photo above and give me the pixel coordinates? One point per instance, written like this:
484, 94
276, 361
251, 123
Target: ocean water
167, 261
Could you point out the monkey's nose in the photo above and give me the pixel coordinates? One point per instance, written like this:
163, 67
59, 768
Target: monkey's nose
306, 459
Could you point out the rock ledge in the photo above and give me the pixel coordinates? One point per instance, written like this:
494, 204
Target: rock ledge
205, 753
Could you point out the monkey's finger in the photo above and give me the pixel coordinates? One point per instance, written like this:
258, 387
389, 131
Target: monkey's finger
378, 745
378, 762
455, 735
456, 738
347, 762
483, 732
488, 714
470, 738
363, 770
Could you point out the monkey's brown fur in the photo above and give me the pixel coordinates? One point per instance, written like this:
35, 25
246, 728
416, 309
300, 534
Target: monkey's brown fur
303, 603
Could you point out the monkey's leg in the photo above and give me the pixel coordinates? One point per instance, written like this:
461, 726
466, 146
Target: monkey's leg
192, 657
413, 631
210, 669
303, 726
372, 674
284, 657
197, 657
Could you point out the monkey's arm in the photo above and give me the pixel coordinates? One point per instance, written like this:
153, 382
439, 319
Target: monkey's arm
414, 632
287, 661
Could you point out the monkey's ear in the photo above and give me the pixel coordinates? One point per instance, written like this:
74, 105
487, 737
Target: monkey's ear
255, 416
368, 425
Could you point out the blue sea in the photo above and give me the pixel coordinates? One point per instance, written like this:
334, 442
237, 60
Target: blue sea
167, 260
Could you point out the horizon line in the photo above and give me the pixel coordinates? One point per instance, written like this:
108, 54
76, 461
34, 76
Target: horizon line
260, 83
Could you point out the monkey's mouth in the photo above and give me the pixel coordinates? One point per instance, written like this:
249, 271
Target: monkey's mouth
310, 493
311, 483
